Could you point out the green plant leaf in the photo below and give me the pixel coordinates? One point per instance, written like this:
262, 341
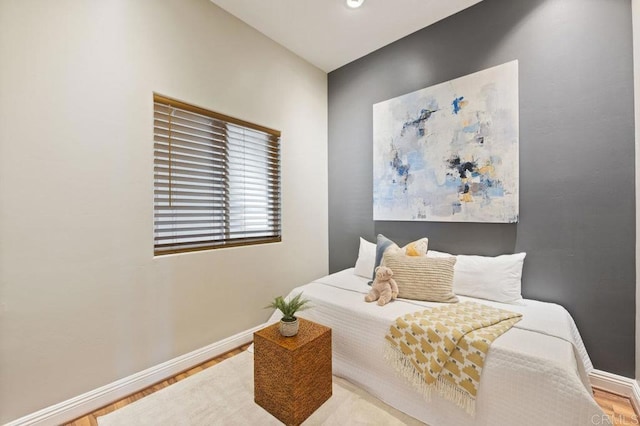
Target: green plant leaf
289, 309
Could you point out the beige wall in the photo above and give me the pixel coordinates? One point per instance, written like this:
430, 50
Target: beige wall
635, 12
83, 301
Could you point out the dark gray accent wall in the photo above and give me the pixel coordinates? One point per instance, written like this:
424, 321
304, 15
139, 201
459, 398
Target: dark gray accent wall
577, 193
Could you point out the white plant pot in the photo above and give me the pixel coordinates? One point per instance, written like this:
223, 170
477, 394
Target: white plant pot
289, 328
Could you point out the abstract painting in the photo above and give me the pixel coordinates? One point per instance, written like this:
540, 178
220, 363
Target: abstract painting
449, 152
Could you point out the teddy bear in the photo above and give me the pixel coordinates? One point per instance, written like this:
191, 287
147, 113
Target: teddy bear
384, 288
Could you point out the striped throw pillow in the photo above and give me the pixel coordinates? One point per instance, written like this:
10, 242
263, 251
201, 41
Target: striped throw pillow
383, 245
422, 278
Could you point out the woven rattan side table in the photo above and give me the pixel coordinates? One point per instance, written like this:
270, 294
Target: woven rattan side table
292, 375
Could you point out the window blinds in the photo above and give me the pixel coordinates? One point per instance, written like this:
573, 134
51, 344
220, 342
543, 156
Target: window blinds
216, 180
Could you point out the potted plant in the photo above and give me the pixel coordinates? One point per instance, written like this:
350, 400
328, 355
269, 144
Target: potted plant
289, 322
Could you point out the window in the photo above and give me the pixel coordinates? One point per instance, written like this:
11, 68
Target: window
216, 180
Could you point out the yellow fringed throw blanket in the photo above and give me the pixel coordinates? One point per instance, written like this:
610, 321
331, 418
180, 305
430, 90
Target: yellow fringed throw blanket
445, 348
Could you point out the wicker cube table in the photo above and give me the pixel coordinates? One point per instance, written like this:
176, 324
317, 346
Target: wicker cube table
292, 375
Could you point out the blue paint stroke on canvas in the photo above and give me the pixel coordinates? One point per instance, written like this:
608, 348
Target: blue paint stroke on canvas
457, 104
454, 164
402, 171
418, 123
475, 182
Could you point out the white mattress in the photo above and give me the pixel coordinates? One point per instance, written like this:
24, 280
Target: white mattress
535, 374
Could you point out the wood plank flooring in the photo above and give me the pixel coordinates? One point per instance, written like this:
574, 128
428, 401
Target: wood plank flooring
618, 408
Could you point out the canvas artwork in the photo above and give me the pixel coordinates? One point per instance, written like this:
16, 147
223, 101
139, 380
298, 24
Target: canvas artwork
449, 152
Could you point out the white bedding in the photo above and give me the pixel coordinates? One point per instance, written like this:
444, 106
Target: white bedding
535, 374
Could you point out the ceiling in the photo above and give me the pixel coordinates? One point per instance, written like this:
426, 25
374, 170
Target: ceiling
329, 34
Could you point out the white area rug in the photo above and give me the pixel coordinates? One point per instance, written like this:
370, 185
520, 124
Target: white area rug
223, 395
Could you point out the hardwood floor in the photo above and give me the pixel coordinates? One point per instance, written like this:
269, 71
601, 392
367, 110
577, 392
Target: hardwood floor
618, 408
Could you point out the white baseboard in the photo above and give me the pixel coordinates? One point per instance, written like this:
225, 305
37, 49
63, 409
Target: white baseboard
86, 403
617, 384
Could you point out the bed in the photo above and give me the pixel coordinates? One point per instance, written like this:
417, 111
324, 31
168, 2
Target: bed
535, 374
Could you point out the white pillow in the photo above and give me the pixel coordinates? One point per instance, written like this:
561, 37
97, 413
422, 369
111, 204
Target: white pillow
493, 278
366, 259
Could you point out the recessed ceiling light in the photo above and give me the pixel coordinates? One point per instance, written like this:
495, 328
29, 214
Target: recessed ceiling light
354, 3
